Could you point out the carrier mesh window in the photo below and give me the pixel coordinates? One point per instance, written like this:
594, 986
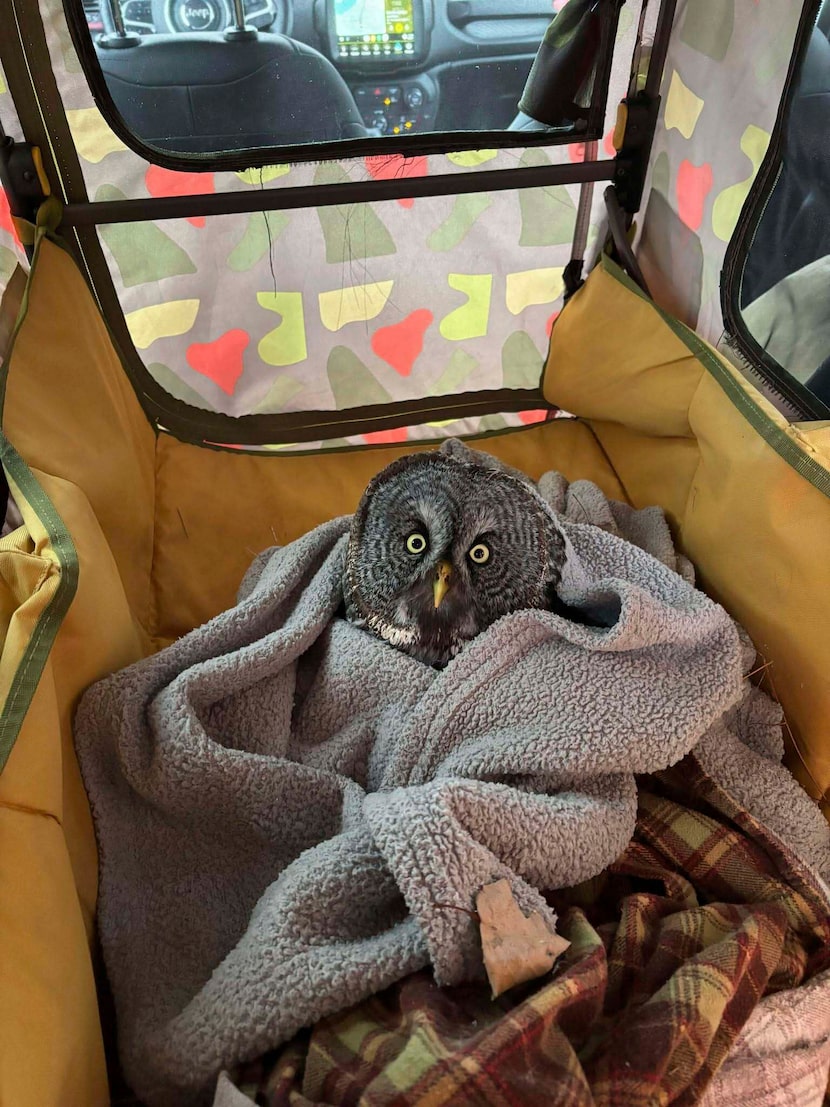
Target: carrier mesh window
407, 319
782, 289
186, 79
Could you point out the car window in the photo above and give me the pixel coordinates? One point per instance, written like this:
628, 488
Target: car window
200, 78
783, 294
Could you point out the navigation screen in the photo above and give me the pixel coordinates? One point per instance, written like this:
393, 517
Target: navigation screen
374, 28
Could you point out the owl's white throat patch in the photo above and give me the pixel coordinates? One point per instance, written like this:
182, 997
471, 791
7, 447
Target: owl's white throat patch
396, 636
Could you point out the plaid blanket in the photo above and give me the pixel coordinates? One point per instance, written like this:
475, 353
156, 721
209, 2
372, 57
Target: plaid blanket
672, 948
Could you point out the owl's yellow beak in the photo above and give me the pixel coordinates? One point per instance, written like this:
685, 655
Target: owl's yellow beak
441, 581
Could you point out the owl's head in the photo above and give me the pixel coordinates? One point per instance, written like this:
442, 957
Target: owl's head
440, 548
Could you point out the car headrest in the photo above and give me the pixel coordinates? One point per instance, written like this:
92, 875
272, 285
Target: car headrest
198, 93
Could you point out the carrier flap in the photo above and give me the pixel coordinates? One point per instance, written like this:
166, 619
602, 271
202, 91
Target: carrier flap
748, 494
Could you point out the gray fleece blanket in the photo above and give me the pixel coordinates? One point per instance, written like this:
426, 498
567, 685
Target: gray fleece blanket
290, 812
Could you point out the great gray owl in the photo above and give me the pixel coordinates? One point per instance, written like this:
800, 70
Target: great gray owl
440, 548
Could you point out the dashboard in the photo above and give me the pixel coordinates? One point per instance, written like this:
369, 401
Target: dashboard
375, 32
411, 65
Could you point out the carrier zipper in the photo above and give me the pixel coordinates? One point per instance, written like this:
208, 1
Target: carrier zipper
765, 382
769, 381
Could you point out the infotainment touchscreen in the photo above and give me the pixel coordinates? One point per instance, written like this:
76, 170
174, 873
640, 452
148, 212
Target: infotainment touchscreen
381, 30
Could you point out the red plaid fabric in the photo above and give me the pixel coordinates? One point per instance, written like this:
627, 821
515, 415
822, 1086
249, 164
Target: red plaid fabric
671, 950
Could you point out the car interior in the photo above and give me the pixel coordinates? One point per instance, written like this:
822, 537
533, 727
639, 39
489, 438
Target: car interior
200, 76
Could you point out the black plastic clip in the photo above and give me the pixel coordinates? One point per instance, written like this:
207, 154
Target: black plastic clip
22, 177
641, 113
572, 277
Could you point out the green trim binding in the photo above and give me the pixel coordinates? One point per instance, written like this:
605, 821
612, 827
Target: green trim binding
39, 646
773, 435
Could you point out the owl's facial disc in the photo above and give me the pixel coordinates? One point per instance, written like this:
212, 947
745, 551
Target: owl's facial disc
440, 550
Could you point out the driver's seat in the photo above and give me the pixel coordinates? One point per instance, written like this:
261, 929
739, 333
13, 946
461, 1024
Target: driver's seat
201, 93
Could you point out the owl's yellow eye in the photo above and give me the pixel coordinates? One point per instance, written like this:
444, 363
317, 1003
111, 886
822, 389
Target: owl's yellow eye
416, 543
479, 553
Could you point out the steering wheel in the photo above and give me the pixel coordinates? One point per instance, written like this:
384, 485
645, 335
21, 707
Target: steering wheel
183, 16
186, 16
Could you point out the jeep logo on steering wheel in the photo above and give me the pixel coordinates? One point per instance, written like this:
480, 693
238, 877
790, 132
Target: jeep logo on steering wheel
199, 15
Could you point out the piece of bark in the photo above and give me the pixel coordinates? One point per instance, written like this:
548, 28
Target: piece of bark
516, 948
